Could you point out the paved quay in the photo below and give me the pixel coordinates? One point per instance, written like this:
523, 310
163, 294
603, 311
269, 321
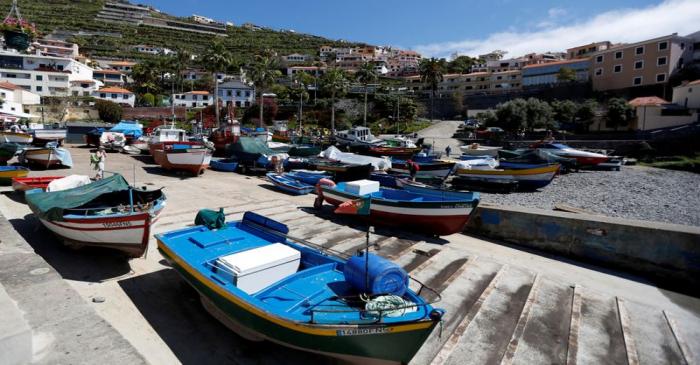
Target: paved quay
503, 304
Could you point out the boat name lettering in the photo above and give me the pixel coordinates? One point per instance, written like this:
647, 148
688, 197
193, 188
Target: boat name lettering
116, 224
362, 331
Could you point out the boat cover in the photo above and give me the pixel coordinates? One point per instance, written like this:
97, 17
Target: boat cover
128, 128
50, 206
332, 153
252, 149
477, 163
64, 156
68, 182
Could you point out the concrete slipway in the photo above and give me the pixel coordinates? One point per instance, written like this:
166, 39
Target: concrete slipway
504, 305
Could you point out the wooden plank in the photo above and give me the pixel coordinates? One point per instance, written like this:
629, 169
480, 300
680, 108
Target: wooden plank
630, 347
507, 358
572, 348
569, 209
685, 351
451, 344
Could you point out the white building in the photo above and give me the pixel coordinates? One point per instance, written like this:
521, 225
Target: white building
687, 95
151, 49
237, 93
14, 98
109, 77
202, 19
44, 75
297, 58
57, 48
194, 99
115, 94
84, 87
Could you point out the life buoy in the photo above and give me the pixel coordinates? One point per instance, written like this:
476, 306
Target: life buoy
318, 203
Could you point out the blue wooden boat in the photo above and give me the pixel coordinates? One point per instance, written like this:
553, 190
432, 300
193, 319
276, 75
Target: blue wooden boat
420, 188
297, 295
384, 179
7, 173
289, 185
225, 164
308, 176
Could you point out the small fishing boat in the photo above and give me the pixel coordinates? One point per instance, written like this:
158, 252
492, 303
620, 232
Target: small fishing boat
162, 135
476, 149
397, 152
528, 179
425, 169
384, 179
28, 183
583, 158
265, 285
308, 176
113, 141
192, 158
42, 136
9, 150
357, 136
224, 136
15, 137
435, 215
131, 150
487, 185
224, 164
131, 130
107, 213
46, 157
342, 171
7, 173
289, 185
420, 188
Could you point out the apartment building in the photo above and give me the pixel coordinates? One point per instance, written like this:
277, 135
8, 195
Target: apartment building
84, 87
645, 63
547, 73
586, 51
109, 77
468, 84
115, 94
43, 75
202, 19
297, 58
316, 71
388, 61
505, 80
194, 99
142, 48
123, 13
57, 48
122, 66
14, 99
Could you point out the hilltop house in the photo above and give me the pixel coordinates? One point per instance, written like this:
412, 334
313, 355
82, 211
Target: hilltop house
115, 94
194, 99
237, 93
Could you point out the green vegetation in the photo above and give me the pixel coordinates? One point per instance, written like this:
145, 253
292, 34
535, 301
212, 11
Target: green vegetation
619, 113
528, 114
366, 75
109, 112
336, 82
431, 73
114, 40
264, 72
682, 163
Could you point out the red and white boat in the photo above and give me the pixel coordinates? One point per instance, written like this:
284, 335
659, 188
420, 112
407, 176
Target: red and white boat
584, 158
163, 135
29, 183
107, 213
193, 158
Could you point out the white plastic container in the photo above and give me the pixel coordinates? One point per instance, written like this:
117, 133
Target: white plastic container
362, 187
258, 268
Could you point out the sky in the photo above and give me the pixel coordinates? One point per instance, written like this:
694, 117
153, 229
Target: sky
441, 28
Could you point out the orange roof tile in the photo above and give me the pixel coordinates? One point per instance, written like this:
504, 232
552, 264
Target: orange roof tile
114, 90
9, 86
198, 92
564, 62
648, 101
122, 63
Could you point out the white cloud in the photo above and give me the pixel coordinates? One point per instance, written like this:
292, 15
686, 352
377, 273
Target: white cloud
625, 25
556, 12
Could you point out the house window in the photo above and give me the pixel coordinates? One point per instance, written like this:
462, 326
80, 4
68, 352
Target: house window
238, 103
229, 93
247, 104
39, 77
617, 68
86, 93
598, 71
114, 96
637, 80
639, 50
238, 93
125, 96
75, 93
103, 95
599, 59
663, 45
247, 94
39, 88
638, 65
660, 77
618, 55
661, 61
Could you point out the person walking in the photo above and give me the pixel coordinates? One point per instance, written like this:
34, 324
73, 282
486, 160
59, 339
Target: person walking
98, 159
412, 169
448, 150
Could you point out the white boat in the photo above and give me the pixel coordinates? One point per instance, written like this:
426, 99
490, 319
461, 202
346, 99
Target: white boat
166, 134
396, 140
45, 156
476, 149
194, 159
357, 136
112, 140
583, 158
45, 135
15, 137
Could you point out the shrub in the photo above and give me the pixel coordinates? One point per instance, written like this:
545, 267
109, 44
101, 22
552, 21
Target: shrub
109, 112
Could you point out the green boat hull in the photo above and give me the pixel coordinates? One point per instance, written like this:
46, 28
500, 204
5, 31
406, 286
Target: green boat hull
368, 344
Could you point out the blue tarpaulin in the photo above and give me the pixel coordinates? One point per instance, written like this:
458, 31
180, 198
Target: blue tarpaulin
129, 128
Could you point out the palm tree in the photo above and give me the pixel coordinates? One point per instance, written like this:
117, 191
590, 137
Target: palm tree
366, 75
264, 72
302, 80
431, 73
216, 59
180, 63
336, 82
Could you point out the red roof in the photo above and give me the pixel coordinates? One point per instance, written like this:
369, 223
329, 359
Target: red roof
122, 63
198, 92
114, 90
564, 62
648, 101
9, 86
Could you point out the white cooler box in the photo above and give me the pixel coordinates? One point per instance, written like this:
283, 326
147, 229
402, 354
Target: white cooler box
258, 268
362, 187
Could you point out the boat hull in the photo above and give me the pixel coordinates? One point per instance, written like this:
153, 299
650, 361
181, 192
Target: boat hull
221, 165
11, 137
44, 136
370, 344
289, 185
129, 234
527, 179
42, 157
435, 218
29, 183
6, 176
431, 169
192, 161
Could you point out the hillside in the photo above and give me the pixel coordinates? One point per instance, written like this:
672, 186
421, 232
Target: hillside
115, 39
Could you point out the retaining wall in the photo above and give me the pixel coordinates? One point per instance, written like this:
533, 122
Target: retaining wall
667, 253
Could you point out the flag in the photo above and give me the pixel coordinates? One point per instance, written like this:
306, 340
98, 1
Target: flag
356, 207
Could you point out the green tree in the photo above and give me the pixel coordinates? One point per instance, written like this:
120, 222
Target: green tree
431, 73
264, 71
619, 113
366, 75
566, 74
586, 113
145, 76
461, 64
512, 115
108, 111
216, 59
539, 114
302, 80
148, 99
564, 110
336, 82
